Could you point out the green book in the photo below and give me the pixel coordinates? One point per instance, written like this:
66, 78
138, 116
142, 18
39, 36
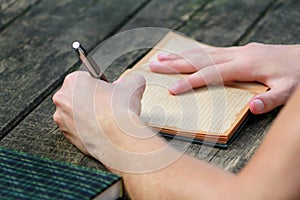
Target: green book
23, 176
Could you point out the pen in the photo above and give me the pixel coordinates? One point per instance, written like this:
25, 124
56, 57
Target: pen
88, 62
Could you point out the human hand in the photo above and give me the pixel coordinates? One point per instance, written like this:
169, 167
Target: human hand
276, 66
90, 111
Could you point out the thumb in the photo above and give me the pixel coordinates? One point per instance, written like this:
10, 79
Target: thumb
269, 100
133, 86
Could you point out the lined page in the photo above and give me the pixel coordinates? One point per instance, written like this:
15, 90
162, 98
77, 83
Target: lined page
210, 109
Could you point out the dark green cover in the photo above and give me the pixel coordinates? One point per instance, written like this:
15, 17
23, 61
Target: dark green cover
23, 176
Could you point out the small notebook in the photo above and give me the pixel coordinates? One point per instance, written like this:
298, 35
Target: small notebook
210, 114
23, 176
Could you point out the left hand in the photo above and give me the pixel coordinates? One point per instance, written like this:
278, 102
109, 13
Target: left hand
276, 66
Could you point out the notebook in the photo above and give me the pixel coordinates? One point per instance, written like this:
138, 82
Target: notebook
211, 115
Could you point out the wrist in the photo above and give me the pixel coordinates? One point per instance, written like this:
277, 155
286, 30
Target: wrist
130, 133
128, 145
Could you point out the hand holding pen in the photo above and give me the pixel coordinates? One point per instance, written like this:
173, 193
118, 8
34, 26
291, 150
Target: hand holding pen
88, 62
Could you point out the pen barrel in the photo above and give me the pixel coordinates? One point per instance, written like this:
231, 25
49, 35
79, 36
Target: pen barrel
89, 63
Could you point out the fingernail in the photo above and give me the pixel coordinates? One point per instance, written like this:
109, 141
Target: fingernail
173, 88
258, 106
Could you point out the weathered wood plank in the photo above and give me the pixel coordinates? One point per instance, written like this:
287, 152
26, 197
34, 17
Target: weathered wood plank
36, 49
279, 26
165, 13
10, 10
223, 22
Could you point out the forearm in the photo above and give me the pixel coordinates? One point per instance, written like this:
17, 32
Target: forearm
187, 178
169, 175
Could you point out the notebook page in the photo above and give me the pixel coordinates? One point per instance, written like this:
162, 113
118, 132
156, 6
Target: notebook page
210, 109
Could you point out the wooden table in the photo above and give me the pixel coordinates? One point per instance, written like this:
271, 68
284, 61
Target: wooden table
35, 56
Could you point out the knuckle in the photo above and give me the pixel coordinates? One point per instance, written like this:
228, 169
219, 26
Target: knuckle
250, 49
252, 45
70, 77
248, 54
56, 99
56, 117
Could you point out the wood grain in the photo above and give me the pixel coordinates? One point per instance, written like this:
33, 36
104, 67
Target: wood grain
37, 51
11, 10
279, 26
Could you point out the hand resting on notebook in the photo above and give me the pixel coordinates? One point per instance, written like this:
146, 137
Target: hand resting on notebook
272, 65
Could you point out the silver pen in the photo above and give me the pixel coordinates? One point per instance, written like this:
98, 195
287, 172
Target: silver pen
88, 62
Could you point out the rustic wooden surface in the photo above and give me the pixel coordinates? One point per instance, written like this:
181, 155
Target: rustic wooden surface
35, 56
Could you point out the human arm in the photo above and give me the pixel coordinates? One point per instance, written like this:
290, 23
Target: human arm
273, 65
274, 169
186, 177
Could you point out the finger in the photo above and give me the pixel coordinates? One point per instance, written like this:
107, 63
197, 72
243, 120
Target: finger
186, 62
168, 56
174, 56
193, 60
269, 100
172, 66
208, 75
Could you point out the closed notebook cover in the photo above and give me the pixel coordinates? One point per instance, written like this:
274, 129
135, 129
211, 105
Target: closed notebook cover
23, 176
